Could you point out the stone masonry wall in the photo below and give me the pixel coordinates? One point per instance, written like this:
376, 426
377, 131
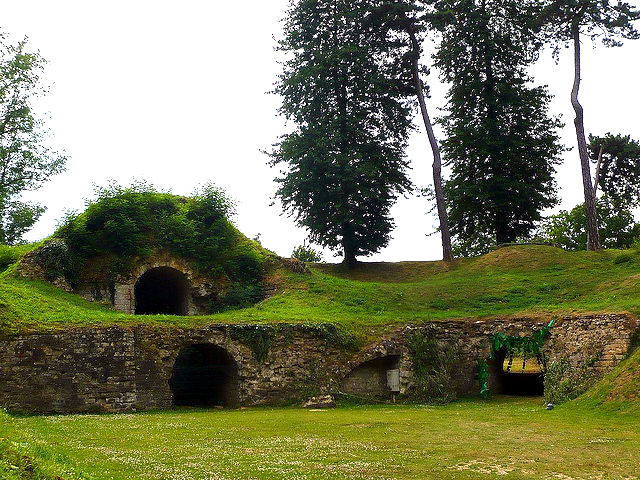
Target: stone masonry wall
122, 369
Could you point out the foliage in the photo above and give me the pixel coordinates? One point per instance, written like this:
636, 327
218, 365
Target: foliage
306, 253
55, 258
433, 367
25, 162
480, 243
602, 19
568, 229
501, 144
564, 382
344, 89
530, 345
257, 337
483, 377
529, 280
136, 220
11, 254
563, 21
619, 174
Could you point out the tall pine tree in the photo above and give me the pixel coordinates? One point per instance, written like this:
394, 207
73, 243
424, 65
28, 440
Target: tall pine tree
501, 144
344, 88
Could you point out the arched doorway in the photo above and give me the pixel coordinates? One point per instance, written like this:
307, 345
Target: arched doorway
162, 290
204, 375
514, 378
369, 379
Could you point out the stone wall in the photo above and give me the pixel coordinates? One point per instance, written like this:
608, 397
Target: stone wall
121, 369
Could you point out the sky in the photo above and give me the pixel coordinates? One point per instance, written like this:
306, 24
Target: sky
176, 93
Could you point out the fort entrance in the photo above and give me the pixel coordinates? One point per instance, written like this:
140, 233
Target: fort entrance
204, 375
162, 290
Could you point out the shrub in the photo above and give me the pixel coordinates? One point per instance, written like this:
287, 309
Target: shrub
433, 368
305, 253
564, 382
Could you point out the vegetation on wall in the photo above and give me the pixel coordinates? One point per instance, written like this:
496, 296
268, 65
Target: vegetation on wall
433, 367
260, 338
527, 346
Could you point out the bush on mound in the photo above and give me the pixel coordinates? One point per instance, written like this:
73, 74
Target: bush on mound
125, 223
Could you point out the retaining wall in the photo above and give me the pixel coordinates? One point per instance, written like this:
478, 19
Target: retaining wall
121, 369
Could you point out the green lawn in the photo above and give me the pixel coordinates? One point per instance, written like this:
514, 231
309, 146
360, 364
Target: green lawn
506, 438
530, 280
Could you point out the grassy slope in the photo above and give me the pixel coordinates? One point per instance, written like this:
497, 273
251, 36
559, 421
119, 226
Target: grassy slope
619, 391
502, 438
532, 280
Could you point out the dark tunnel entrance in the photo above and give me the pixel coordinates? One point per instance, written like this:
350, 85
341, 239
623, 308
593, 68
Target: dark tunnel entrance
204, 375
519, 376
162, 290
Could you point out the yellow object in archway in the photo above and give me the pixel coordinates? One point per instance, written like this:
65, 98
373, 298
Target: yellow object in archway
523, 364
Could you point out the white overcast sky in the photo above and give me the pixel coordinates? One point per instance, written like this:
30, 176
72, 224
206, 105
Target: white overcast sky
175, 93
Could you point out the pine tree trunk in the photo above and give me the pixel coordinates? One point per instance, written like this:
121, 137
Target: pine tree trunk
593, 236
447, 254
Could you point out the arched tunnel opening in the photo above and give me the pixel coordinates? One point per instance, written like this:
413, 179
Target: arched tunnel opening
369, 379
519, 376
162, 290
204, 375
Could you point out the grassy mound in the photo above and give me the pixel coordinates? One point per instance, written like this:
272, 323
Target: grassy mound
619, 390
122, 224
536, 281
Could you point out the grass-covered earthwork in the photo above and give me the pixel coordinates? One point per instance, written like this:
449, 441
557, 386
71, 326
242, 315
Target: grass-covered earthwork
521, 280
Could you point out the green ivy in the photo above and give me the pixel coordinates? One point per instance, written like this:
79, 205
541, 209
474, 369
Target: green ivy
515, 344
259, 338
527, 346
483, 377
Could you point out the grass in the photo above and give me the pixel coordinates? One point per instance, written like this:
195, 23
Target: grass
526, 280
507, 438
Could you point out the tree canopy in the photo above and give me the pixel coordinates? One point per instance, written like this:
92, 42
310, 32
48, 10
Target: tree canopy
501, 144
568, 228
25, 160
344, 87
618, 171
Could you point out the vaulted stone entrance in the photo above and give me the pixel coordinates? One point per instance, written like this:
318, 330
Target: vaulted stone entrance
162, 290
516, 375
205, 375
369, 379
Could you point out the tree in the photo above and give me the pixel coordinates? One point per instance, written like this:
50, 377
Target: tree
501, 143
409, 17
349, 99
25, 161
565, 21
618, 168
568, 229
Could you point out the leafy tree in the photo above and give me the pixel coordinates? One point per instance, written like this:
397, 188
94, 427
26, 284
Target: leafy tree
501, 143
343, 88
568, 228
618, 167
25, 162
565, 21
